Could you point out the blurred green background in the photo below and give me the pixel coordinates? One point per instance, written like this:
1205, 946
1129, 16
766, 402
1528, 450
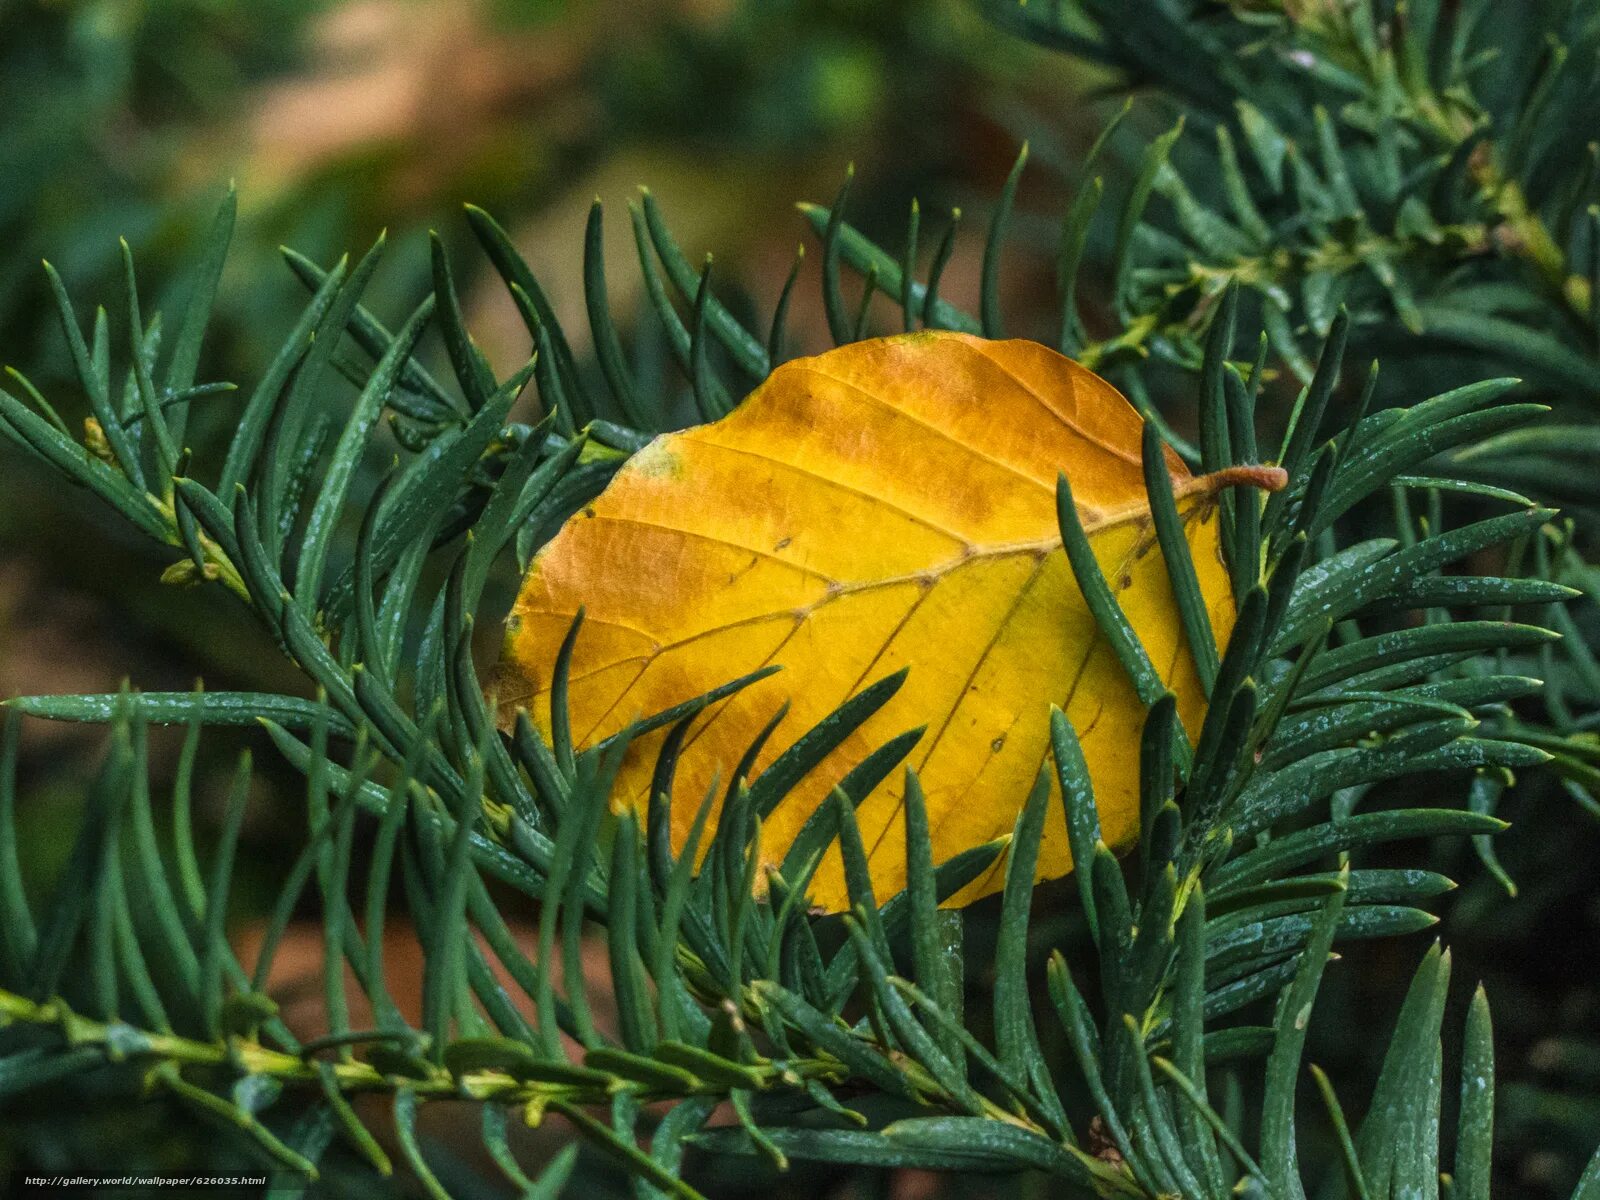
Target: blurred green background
340, 118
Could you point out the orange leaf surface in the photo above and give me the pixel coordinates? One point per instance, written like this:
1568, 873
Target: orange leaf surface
887, 504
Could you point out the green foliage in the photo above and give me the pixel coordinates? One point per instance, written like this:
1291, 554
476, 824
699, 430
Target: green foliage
721, 996
1363, 155
1112, 1067
1412, 165
1398, 177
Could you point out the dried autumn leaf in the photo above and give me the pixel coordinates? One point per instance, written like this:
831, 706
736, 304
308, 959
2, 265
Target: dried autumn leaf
888, 504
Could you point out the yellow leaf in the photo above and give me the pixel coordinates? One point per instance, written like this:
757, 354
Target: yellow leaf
887, 504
